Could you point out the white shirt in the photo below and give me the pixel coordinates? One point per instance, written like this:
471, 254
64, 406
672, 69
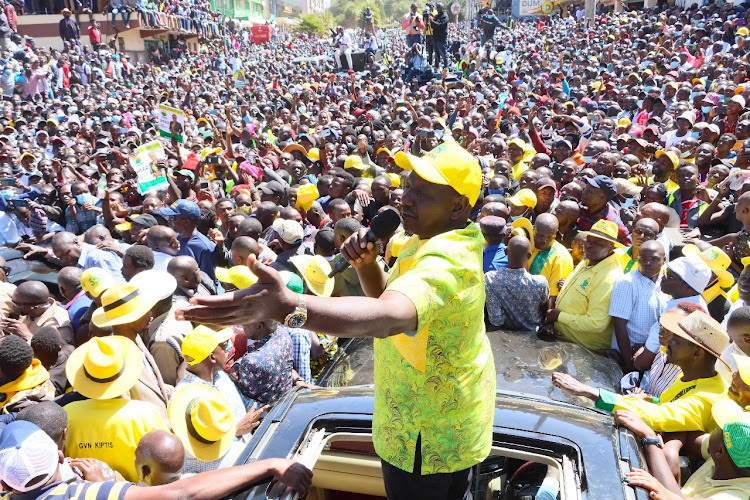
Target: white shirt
652, 343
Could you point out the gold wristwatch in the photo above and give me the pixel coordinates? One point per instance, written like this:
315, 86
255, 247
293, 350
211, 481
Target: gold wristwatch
298, 317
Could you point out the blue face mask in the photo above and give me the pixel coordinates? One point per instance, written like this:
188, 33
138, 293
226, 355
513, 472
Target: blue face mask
705, 109
695, 135
639, 103
516, 217
83, 198
692, 95
588, 159
674, 64
497, 191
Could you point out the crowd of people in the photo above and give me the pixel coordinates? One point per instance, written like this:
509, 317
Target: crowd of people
603, 168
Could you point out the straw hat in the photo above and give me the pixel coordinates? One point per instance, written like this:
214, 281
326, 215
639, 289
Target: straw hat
203, 420
122, 304
96, 280
315, 270
155, 283
698, 328
716, 259
104, 367
605, 230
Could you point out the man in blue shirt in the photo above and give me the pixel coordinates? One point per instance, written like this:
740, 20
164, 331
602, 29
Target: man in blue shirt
183, 217
493, 229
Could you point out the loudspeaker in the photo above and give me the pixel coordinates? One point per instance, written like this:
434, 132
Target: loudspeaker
359, 60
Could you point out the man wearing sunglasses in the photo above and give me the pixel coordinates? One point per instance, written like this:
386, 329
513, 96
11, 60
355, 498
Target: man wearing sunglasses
34, 308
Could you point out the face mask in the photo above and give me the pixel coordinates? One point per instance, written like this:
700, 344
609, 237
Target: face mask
497, 191
674, 64
627, 203
692, 95
588, 159
705, 109
83, 198
639, 102
687, 154
516, 217
695, 135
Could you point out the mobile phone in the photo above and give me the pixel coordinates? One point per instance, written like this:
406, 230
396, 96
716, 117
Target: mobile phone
721, 109
111, 156
21, 203
212, 159
422, 132
204, 184
7, 181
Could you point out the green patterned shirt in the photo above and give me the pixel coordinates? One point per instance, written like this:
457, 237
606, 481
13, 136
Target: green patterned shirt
440, 380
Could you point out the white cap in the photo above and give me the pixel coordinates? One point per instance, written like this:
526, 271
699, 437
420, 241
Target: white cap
739, 100
288, 230
155, 283
693, 271
26, 453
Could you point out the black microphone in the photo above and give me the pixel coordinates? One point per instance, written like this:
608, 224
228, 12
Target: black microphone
382, 226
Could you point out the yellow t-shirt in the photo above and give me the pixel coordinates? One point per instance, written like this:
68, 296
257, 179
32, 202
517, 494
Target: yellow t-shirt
555, 264
683, 406
519, 168
440, 380
584, 302
109, 430
700, 485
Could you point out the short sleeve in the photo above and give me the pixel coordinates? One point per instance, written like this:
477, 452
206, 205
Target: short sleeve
621, 304
430, 284
652, 342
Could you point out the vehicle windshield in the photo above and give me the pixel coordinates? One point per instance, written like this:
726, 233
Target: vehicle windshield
523, 363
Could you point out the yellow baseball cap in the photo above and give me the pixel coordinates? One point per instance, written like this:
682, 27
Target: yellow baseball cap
96, 281
624, 122
716, 259
201, 342
671, 155
395, 180
449, 165
743, 31
306, 195
354, 161
523, 198
239, 276
314, 154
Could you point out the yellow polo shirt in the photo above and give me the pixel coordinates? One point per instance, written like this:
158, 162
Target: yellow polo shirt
437, 382
700, 485
555, 264
683, 406
584, 303
109, 430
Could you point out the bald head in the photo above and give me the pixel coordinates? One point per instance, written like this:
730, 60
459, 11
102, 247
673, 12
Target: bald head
242, 247
97, 234
519, 252
159, 458
657, 212
69, 281
547, 222
567, 212
497, 209
162, 239
31, 292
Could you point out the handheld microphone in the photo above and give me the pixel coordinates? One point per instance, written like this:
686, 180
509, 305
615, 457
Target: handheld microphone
382, 226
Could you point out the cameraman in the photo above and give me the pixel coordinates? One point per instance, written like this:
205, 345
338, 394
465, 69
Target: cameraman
412, 25
428, 32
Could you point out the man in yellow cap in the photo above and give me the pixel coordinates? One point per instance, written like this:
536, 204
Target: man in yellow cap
205, 353
427, 316
581, 313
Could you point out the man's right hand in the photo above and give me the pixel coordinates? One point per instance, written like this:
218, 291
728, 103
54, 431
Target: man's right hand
293, 474
358, 251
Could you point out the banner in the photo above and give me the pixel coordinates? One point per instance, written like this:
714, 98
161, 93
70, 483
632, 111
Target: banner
171, 122
534, 7
239, 79
144, 163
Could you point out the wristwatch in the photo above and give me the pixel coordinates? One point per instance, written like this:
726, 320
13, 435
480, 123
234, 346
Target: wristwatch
656, 441
298, 317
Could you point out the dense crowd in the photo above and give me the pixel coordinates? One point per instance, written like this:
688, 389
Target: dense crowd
614, 161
